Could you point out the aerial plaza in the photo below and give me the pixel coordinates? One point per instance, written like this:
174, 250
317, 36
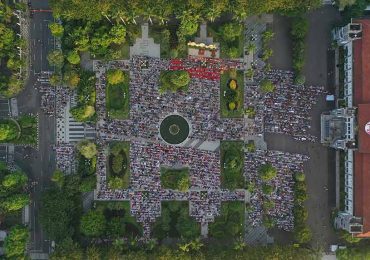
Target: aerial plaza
181, 129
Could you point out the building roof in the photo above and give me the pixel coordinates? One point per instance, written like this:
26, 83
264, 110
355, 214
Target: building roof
362, 191
361, 64
361, 79
363, 118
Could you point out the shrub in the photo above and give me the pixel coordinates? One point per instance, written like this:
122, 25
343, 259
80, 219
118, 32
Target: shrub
299, 176
267, 86
115, 76
232, 106
267, 172
267, 189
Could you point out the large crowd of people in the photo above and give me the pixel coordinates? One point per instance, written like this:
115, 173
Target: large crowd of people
285, 111
282, 196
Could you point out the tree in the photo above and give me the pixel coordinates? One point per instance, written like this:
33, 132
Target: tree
8, 131
15, 180
82, 113
56, 29
267, 189
93, 223
15, 242
93, 253
56, 58
71, 78
58, 178
55, 79
118, 33
73, 57
115, 76
14, 202
188, 24
67, 250
230, 31
299, 176
267, 86
87, 149
58, 209
267, 172
302, 235
180, 78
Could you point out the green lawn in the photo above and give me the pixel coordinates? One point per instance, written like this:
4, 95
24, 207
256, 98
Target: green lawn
232, 165
237, 95
119, 177
175, 179
230, 224
118, 99
175, 222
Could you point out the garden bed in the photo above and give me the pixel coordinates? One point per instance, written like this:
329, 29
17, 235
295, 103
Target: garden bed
232, 99
175, 179
175, 222
232, 165
118, 168
118, 99
230, 224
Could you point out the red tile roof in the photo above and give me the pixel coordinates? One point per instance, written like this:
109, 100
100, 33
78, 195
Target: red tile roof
363, 117
362, 190
361, 80
361, 65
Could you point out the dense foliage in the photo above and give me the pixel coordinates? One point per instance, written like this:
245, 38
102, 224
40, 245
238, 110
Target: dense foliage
267, 172
302, 232
232, 161
298, 35
11, 63
230, 224
15, 243
8, 131
175, 222
175, 179
12, 195
85, 109
174, 80
118, 162
160, 10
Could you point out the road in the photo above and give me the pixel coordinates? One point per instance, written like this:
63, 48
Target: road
320, 169
41, 163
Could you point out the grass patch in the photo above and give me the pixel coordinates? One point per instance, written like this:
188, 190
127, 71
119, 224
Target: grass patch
175, 179
232, 164
175, 222
230, 224
118, 174
120, 223
229, 96
118, 99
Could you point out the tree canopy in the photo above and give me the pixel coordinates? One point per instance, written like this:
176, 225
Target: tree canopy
15, 242
267, 172
87, 149
93, 223
8, 131
115, 76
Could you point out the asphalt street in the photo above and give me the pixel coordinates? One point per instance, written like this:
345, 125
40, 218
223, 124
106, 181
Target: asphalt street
320, 169
39, 163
